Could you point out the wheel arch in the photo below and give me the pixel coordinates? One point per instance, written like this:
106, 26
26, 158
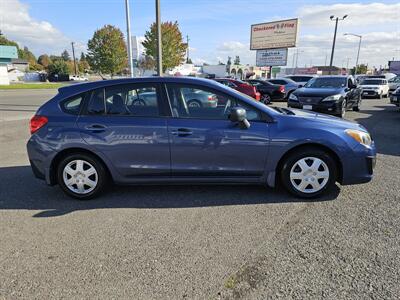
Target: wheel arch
60, 155
322, 147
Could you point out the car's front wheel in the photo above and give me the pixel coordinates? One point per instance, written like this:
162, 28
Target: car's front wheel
81, 176
309, 173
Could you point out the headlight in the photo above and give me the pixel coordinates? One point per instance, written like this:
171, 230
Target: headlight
360, 136
293, 97
332, 98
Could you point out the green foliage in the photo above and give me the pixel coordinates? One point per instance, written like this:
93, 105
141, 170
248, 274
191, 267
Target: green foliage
6, 42
147, 63
173, 47
59, 67
65, 56
44, 60
362, 69
229, 62
237, 60
107, 51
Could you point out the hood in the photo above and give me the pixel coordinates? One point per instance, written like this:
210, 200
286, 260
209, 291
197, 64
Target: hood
326, 120
322, 92
371, 86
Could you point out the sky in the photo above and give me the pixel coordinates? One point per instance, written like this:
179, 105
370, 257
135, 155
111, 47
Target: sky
216, 28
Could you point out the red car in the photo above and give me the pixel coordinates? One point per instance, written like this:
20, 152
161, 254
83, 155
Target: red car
240, 86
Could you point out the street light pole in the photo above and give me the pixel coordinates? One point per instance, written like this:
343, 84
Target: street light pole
73, 56
334, 39
159, 41
358, 51
128, 32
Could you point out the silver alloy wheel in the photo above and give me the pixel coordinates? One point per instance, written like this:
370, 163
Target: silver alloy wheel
265, 99
194, 104
343, 108
80, 176
309, 175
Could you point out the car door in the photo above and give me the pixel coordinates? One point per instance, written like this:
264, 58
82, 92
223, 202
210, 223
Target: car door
205, 143
353, 93
126, 124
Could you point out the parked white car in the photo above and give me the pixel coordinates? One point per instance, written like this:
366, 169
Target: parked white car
301, 80
394, 83
375, 87
78, 78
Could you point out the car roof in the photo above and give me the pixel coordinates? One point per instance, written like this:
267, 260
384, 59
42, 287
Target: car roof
78, 88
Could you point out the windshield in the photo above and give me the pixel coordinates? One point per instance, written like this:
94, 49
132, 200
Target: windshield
326, 82
300, 78
372, 82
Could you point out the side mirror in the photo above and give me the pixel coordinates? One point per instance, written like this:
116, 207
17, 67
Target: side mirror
300, 85
238, 115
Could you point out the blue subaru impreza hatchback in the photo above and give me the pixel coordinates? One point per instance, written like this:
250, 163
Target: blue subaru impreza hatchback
162, 130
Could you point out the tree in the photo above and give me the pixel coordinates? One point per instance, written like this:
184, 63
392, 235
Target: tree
30, 57
147, 63
65, 56
189, 61
229, 62
107, 51
362, 69
237, 60
44, 60
173, 47
59, 67
83, 57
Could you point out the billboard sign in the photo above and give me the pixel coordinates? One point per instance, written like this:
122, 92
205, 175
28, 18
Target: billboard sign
271, 57
394, 67
272, 35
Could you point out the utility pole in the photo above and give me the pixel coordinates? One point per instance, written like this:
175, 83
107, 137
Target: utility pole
73, 56
334, 39
187, 43
358, 51
128, 32
159, 41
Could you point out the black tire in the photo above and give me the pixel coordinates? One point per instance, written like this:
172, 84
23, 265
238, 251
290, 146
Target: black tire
356, 107
343, 110
102, 176
291, 160
194, 103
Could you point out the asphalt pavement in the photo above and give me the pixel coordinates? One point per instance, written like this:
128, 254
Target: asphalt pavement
171, 242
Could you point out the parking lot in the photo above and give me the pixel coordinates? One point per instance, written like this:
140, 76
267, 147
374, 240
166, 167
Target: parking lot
198, 241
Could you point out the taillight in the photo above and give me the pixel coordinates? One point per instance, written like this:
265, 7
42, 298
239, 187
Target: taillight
212, 97
37, 122
282, 89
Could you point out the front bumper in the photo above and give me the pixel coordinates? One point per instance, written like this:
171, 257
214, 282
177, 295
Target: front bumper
358, 167
328, 107
370, 93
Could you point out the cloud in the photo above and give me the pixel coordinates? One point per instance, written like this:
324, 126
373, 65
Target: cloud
17, 24
378, 23
358, 13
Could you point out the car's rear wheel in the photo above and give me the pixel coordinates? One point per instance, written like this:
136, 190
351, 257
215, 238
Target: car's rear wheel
356, 107
194, 103
265, 98
309, 173
81, 176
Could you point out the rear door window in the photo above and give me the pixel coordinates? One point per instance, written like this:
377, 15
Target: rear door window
135, 100
96, 104
73, 105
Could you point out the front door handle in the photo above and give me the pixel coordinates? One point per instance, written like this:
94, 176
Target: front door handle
182, 132
96, 127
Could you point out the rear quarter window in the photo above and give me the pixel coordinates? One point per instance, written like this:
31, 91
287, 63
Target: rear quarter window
73, 104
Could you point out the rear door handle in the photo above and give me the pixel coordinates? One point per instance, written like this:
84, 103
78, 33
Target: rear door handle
96, 127
182, 132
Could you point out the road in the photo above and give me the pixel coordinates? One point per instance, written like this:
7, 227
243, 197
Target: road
197, 241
